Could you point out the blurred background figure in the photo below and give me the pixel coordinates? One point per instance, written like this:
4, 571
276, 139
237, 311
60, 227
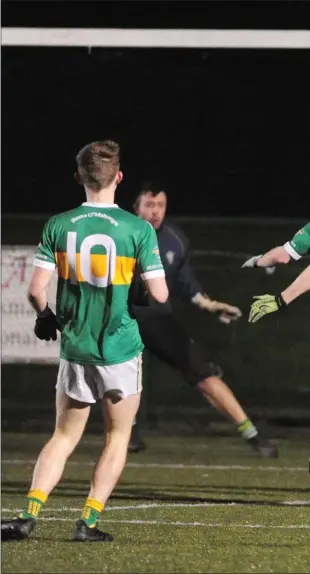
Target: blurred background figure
166, 338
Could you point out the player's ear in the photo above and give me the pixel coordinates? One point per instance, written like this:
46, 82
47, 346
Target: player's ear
119, 177
78, 178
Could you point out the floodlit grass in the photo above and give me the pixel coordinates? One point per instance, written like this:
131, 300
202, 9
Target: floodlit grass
183, 505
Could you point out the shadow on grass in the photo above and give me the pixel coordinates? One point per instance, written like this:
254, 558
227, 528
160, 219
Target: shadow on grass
75, 488
58, 539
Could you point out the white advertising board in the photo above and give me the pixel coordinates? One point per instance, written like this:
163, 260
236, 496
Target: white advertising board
19, 343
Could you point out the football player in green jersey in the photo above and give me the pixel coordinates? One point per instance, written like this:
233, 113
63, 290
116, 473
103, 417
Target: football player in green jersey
96, 248
296, 248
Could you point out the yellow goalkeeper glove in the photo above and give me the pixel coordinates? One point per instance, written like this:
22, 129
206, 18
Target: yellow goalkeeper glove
265, 304
226, 313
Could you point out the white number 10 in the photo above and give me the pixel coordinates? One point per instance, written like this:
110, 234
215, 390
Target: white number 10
85, 258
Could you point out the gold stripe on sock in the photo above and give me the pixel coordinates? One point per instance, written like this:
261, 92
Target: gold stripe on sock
38, 494
86, 512
94, 504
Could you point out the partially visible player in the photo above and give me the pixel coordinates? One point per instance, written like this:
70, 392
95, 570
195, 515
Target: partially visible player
296, 248
166, 338
96, 248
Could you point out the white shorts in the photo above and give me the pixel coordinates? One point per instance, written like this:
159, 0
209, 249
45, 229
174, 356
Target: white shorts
88, 383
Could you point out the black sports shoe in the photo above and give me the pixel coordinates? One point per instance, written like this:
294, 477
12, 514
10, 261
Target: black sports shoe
83, 533
264, 447
136, 443
16, 528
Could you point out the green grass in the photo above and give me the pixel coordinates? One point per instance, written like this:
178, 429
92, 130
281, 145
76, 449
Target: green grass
221, 510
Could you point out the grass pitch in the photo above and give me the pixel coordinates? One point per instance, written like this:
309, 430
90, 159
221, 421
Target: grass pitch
183, 505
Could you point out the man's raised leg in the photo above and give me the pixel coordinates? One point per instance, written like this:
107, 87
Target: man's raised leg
222, 398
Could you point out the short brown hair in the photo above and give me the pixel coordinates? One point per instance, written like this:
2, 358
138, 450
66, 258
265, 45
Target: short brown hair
98, 163
148, 187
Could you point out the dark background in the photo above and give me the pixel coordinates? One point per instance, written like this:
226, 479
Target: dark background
227, 132
221, 14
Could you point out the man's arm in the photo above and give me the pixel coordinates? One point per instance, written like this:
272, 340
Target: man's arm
273, 257
188, 288
150, 265
265, 304
300, 286
45, 262
186, 285
37, 290
298, 246
157, 287
44, 266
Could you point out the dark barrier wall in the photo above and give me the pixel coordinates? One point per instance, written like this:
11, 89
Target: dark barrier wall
226, 131
266, 364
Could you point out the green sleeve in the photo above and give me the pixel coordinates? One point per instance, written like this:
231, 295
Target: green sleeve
299, 245
148, 257
45, 254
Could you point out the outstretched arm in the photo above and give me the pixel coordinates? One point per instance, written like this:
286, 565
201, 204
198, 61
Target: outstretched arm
274, 257
298, 246
265, 304
188, 288
298, 287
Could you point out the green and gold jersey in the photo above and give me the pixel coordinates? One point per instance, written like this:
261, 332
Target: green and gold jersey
300, 244
96, 248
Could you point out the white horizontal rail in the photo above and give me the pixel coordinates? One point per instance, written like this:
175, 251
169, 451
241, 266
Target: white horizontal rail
147, 38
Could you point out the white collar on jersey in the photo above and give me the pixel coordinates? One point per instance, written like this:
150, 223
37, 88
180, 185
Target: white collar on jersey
93, 204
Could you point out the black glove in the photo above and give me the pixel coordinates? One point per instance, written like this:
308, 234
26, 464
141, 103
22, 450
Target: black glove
46, 325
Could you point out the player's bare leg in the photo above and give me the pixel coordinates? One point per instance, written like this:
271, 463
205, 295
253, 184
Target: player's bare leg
220, 396
71, 418
119, 416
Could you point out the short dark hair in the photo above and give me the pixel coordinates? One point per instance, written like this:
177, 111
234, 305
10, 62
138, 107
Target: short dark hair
98, 163
148, 186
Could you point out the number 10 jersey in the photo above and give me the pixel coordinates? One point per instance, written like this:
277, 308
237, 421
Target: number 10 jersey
96, 248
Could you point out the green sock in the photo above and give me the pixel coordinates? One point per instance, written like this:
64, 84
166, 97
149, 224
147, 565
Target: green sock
247, 429
36, 499
91, 512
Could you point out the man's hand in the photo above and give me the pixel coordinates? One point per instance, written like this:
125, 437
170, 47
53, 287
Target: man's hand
265, 304
46, 325
226, 313
252, 262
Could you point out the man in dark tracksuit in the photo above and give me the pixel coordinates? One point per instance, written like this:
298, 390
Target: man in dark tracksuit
161, 332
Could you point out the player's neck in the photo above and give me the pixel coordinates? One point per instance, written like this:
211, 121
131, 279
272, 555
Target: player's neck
106, 196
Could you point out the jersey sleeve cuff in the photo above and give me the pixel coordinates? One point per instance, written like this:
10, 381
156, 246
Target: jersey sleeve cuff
44, 264
153, 274
291, 251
